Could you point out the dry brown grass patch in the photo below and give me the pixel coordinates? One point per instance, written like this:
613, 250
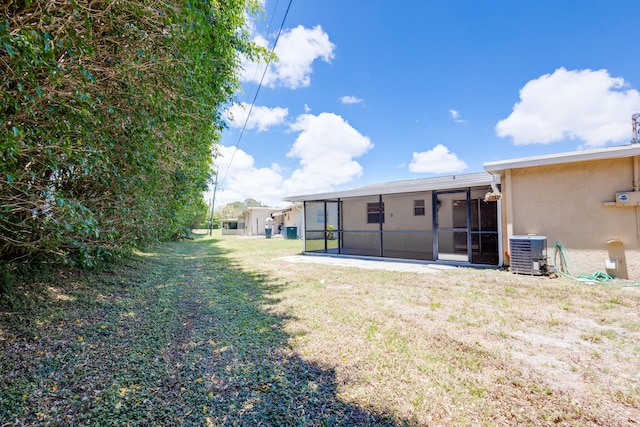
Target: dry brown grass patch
465, 347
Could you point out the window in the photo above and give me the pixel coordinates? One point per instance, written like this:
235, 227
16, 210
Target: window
375, 213
320, 217
418, 207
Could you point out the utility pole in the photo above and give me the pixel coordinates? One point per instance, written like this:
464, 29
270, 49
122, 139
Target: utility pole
213, 200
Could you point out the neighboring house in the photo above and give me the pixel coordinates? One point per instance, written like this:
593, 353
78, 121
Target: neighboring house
587, 200
289, 220
251, 222
229, 226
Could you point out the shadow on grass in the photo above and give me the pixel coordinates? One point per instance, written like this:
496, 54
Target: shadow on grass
251, 373
180, 337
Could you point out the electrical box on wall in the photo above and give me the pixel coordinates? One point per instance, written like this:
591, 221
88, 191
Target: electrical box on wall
628, 198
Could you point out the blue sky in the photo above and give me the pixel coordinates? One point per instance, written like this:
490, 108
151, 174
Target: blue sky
373, 91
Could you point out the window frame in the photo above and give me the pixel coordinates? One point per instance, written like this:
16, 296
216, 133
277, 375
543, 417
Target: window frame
375, 215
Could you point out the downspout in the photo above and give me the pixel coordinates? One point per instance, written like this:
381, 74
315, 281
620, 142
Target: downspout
304, 226
494, 186
636, 184
636, 187
381, 218
326, 244
494, 195
301, 231
339, 226
497, 196
505, 213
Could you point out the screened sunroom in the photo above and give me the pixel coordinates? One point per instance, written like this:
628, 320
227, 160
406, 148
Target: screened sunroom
452, 219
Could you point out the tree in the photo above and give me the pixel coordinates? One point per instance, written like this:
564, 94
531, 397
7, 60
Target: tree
252, 203
109, 111
233, 209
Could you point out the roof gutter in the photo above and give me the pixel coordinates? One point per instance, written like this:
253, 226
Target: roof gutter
562, 158
494, 195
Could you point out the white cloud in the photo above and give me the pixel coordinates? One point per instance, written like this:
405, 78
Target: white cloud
436, 160
261, 118
297, 49
326, 147
587, 105
243, 180
455, 115
350, 100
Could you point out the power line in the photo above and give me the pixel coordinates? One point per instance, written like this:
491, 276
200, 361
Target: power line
264, 73
269, 25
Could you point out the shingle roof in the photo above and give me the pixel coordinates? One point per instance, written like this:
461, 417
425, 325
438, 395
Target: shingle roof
406, 186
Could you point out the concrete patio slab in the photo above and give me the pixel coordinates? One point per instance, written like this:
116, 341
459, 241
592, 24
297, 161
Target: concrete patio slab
369, 264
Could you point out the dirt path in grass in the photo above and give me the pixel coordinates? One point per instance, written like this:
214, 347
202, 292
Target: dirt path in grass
178, 337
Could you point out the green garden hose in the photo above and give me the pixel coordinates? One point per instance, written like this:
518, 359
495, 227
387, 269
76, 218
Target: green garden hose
567, 269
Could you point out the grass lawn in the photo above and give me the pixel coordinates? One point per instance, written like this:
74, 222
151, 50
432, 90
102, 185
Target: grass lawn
221, 331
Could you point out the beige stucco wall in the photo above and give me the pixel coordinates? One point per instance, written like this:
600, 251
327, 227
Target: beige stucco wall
354, 217
565, 204
407, 235
398, 213
399, 220
354, 213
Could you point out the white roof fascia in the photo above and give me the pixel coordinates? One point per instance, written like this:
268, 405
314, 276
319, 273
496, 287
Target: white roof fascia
450, 182
560, 158
280, 212
259, 209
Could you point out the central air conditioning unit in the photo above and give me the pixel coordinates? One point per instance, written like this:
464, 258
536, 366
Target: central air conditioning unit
528, 255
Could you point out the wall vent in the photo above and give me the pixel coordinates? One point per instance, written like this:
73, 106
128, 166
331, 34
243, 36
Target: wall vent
528, 254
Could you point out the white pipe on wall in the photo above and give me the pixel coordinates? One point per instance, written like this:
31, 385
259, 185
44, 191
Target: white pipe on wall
636, 187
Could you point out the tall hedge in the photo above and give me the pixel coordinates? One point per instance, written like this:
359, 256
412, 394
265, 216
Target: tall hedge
109, 114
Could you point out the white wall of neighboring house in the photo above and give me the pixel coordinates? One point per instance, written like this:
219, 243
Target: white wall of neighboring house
289, 217
254, 220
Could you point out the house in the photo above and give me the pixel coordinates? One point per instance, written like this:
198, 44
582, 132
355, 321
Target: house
588, 200
251, 222
288, 221
229, 226
442, 218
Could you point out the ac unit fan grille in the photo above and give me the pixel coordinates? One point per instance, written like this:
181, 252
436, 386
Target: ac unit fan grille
528, 254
